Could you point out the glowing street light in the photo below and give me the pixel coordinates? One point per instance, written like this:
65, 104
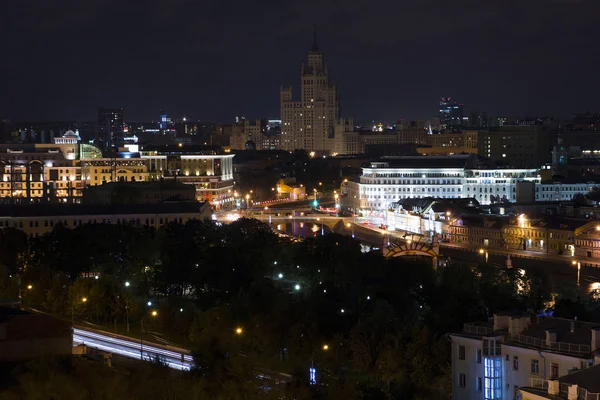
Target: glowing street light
154, 313
127, 284
29, 287
297, 287
483, 251
149, 303
239, 331
280, 276
325, 347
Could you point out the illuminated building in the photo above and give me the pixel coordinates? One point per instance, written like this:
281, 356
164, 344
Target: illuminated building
97, 171
210, 173
395, 178
49, 173
309, 123
493, 359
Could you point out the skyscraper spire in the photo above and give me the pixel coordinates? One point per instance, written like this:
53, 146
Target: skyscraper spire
315, 47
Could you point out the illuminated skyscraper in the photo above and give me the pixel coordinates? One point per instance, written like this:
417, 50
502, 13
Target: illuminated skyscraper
309, 123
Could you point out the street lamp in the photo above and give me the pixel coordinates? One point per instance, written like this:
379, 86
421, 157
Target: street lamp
578, 270
483, 251
312, 371
83, 300
239, 331
154, 313
322, 229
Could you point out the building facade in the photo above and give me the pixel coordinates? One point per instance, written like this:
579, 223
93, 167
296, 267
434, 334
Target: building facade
309, 123
493, 359
392, 179
43, 218
210, 173
452, 115
516, 146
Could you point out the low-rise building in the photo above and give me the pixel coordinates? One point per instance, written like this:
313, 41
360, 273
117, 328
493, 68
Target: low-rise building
579, 385
428, 216
39, 219
494, 359
551, 235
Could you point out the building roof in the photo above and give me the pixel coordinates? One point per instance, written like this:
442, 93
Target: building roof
570, 337
51, 210
459, 161
582, 334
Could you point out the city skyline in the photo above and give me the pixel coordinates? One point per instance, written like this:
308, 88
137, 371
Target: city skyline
203, 61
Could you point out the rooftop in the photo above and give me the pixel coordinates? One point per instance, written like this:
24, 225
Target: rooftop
459, 161
51, 210
559, 335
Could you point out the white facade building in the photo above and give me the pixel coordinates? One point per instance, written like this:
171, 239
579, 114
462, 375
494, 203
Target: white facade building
493, 360
390, 180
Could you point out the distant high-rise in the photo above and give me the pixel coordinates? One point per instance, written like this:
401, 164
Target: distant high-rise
110, 127
452, 115
309, 123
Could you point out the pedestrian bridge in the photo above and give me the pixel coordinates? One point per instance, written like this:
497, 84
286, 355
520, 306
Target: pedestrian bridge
415, 245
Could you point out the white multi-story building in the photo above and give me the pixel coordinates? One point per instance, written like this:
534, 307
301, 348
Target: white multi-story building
309, 123
493, 360
390, 180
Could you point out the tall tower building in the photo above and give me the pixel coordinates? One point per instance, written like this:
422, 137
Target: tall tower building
309, 123
452, 115
110, 127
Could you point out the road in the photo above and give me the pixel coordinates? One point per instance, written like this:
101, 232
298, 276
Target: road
131, 349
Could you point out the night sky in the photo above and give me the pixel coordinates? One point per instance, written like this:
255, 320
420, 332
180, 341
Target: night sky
216, 59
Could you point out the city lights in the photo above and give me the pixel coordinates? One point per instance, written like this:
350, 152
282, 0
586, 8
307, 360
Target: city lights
239, 331
297, 287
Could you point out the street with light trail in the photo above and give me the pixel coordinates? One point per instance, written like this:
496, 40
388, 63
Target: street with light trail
131, 348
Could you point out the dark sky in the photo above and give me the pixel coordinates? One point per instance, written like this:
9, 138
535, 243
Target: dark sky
216, 59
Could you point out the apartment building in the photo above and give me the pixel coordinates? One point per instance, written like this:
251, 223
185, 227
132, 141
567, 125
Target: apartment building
495, 358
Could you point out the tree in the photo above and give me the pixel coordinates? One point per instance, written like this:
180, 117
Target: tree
594, 194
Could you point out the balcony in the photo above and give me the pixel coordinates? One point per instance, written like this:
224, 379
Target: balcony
476, 329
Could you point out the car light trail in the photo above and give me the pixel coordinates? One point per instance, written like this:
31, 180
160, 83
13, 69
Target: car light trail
131, 349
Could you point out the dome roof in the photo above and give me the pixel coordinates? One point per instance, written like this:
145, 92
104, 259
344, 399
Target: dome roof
70, 134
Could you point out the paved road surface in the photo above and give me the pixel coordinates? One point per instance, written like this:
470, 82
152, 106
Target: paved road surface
131, 348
